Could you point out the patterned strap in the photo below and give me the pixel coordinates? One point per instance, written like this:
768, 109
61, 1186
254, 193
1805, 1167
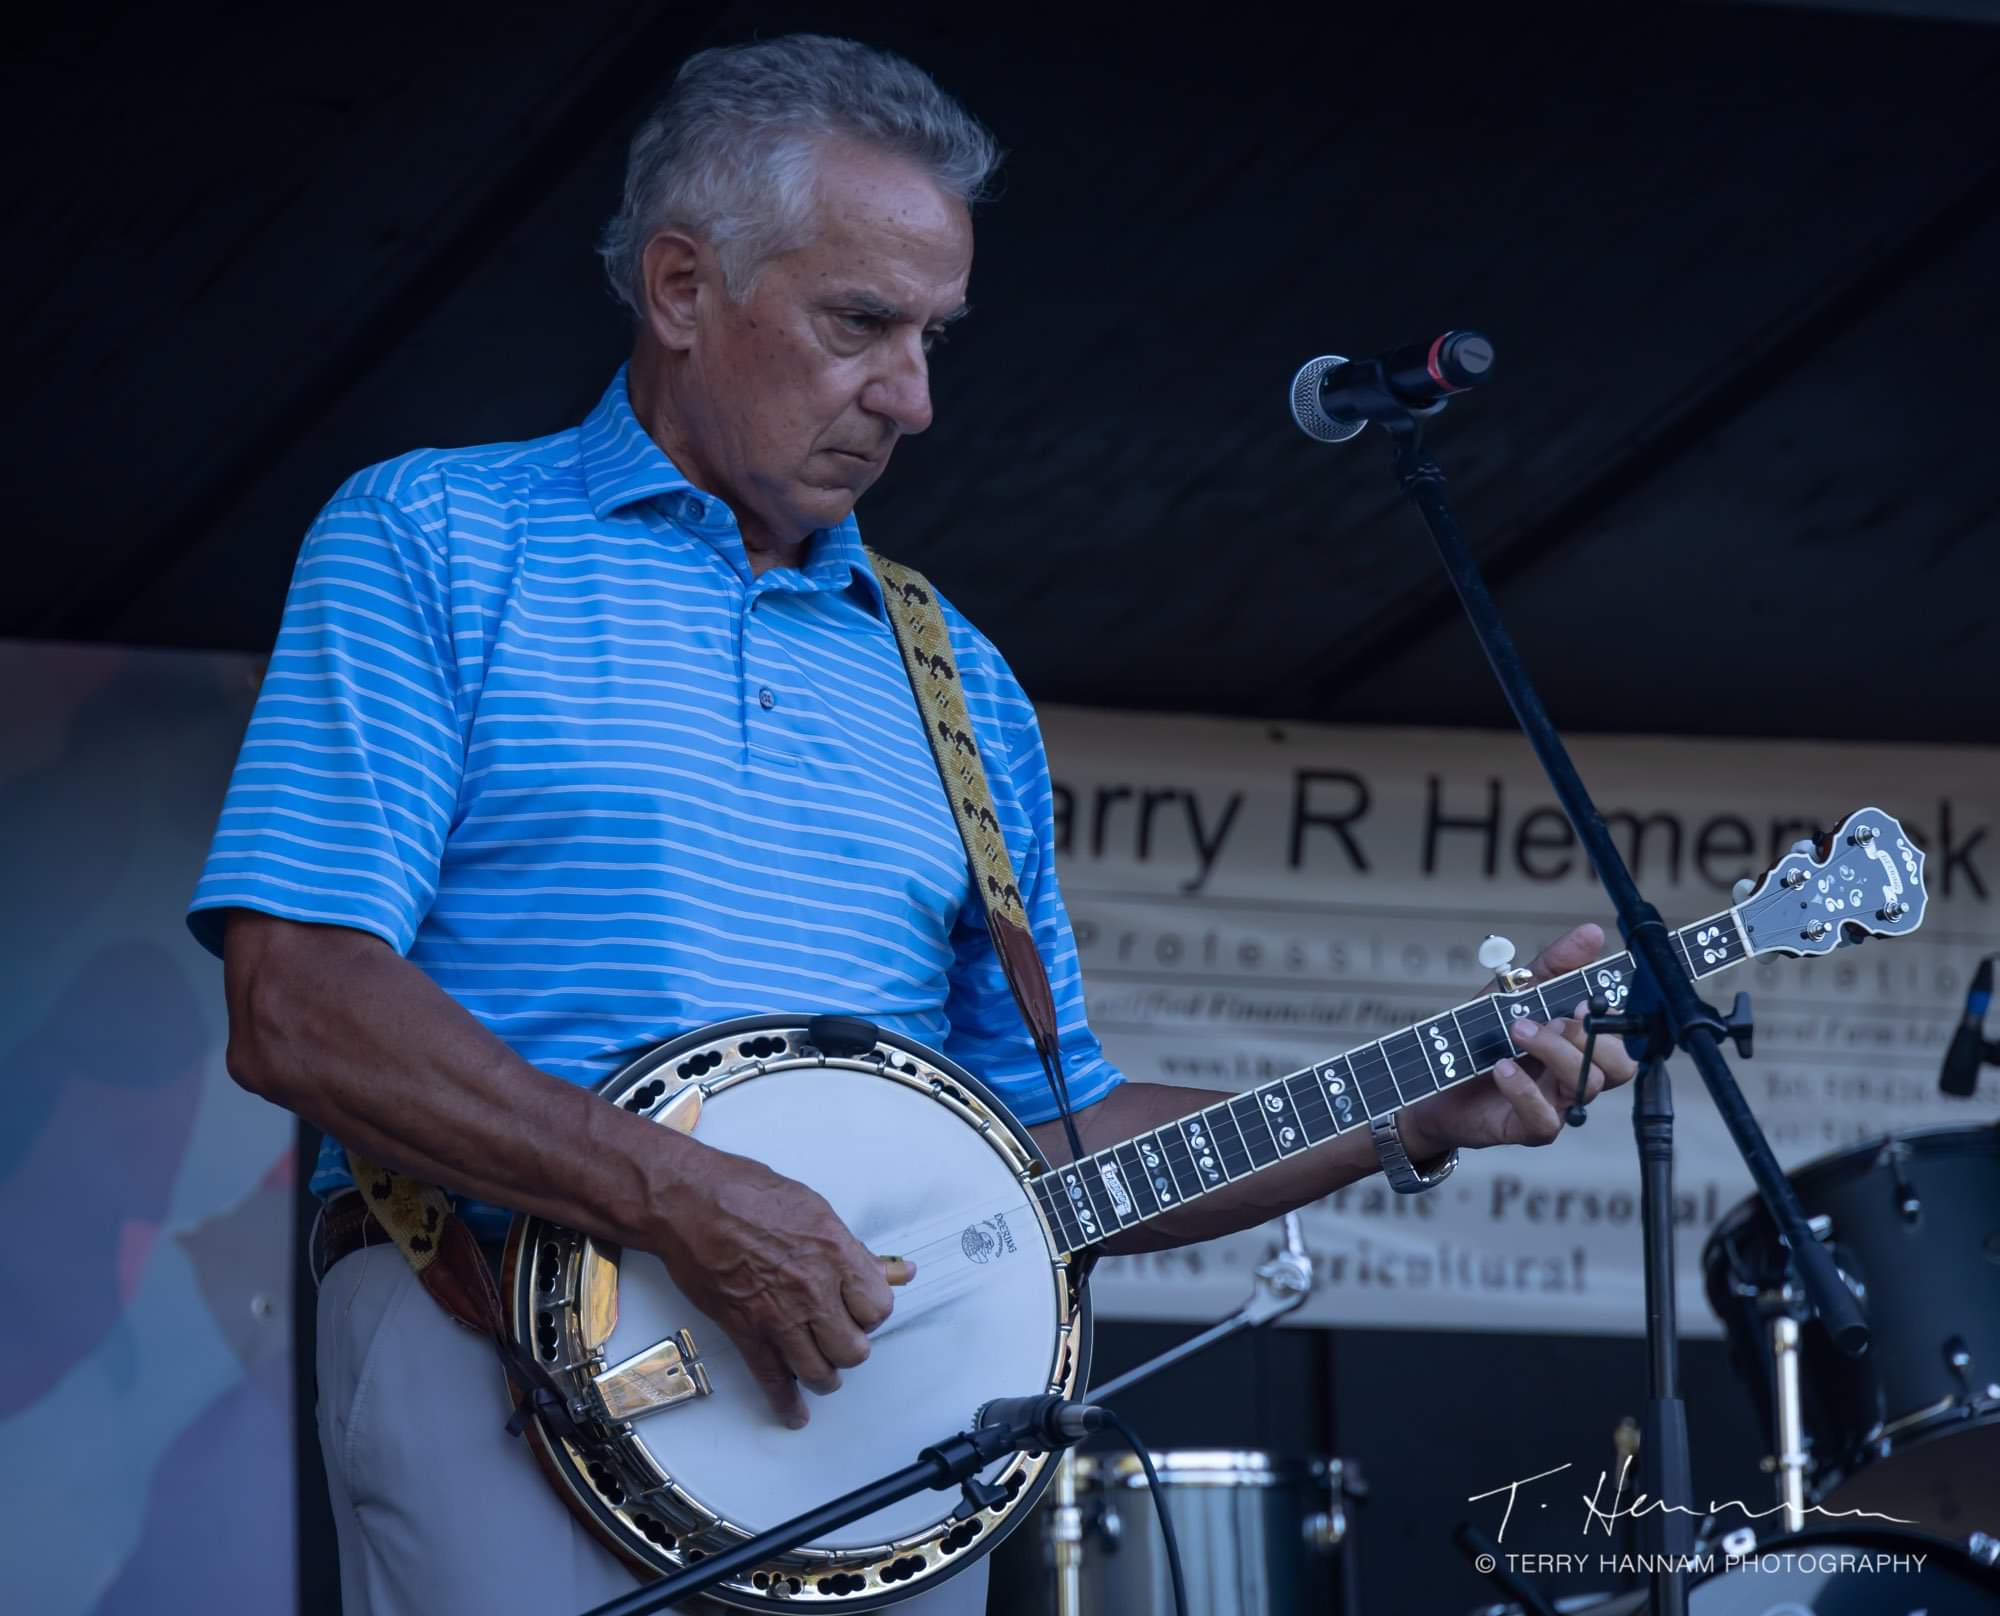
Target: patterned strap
448, 1263
926, 647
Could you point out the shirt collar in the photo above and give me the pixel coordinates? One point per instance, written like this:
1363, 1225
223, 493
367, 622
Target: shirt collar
623, 466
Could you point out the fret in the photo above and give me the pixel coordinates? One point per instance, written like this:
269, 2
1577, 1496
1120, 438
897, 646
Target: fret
1138, 1181
1114, 1206
1486, 1033
1286, 1128
1152, 1148
1561, 994
1445, 1045
1687, 957
1717, 944
1174, 1146
1231, 1149
1609, 980
1412, 1071
1081, 1207
1343, 1094
1376, 1081
1207, 1155
1309, 1106
1055, 1207
1516, 1006
1258, 1135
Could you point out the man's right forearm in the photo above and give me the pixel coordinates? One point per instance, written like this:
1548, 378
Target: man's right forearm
333, 1024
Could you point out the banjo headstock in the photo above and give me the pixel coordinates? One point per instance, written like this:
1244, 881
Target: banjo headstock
1865, 879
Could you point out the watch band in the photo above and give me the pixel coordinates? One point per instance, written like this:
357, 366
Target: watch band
1404, 1176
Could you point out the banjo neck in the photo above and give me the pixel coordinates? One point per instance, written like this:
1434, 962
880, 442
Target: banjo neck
1866, 879
1140, 1178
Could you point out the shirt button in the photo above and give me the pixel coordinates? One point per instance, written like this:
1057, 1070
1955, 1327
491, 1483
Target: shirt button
766, 699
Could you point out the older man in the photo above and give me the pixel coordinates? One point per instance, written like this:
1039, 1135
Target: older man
571, 746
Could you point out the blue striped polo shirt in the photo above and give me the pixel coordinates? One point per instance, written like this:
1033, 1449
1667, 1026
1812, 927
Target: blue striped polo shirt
531, 720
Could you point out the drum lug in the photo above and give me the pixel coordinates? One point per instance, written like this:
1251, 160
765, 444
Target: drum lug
1740, 1542
1958, 1359
1984, 1549
1325, 1529
664, 1375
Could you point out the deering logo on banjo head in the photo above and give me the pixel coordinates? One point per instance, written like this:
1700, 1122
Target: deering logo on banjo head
987, 1239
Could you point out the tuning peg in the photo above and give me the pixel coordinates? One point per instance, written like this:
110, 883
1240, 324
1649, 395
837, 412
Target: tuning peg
1497, 955
1743, 889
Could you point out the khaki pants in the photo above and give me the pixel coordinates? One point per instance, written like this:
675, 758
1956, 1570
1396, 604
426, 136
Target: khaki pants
439, 1511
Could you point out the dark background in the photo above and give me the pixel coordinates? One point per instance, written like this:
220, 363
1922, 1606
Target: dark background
1733, 475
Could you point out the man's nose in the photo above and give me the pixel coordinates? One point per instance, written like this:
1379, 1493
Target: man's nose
902, 391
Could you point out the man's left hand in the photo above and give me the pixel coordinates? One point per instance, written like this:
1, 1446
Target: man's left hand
1521, 1101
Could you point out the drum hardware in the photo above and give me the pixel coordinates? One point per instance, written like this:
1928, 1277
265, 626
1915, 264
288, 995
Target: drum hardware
1066, 1538
1912, 1431
1984, 1549
1789, 1462
1326, 1529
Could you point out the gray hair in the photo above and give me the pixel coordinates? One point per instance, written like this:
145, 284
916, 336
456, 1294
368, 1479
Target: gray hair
731, 155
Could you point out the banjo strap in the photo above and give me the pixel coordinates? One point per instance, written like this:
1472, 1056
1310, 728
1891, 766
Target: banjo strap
448, 1263
435, 1241
926, 648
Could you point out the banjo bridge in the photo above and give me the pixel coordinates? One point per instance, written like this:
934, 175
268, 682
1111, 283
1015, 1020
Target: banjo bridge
665, 1374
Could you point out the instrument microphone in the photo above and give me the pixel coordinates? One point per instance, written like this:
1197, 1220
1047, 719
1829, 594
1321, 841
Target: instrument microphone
1334, 397
1053, 1420
1960, 1074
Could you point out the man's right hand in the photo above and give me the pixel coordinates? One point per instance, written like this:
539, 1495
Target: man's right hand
767, 1260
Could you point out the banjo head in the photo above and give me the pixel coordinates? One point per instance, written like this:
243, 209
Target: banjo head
921, 1161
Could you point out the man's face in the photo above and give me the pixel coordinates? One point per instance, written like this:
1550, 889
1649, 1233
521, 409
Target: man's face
808, 383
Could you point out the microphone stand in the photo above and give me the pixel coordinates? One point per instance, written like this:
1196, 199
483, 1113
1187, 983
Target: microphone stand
1282, 1285
1662, 1014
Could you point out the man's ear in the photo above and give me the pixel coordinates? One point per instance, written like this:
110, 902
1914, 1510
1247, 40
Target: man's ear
672, 272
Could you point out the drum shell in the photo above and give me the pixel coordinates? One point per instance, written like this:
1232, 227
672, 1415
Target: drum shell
1916, 1229
1253, 1532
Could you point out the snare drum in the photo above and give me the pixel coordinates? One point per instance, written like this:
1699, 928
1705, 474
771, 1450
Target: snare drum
1911, 1429
1257, 1536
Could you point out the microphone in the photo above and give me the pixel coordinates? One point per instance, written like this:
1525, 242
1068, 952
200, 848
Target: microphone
1333, 397
1960, 1074
1049, 1419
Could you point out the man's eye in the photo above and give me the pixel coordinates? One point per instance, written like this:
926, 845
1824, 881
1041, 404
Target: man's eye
862, 324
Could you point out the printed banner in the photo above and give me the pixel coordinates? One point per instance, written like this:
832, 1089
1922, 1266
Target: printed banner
1251, 899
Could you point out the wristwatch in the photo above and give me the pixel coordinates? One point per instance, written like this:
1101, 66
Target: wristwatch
1404, 1177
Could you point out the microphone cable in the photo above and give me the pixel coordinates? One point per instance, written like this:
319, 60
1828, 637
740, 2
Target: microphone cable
1112, 1419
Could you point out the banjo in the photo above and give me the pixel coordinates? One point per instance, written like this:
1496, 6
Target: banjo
671, 1452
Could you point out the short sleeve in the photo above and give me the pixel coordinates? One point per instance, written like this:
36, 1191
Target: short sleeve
988, 1036
348, 777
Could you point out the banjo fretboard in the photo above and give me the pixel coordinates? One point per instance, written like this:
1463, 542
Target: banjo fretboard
1140, 1178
